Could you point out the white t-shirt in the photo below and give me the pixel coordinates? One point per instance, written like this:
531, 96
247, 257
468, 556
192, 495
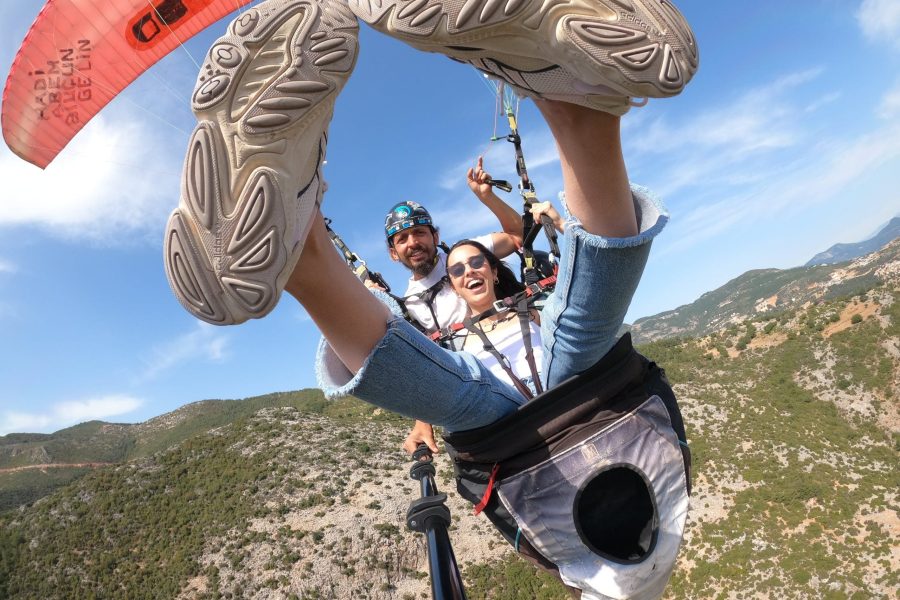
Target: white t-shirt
448, 307
507, 339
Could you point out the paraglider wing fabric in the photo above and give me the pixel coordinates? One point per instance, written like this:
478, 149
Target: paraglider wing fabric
79, 54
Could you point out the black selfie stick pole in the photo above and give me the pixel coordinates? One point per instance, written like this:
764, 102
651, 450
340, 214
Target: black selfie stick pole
430, 515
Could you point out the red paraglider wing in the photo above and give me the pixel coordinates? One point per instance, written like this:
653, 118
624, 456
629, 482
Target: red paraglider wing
79, 54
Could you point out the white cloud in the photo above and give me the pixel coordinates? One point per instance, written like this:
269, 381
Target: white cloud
880, 20
759, 120
500, 159
825, 173
823, 101
301, 316
118, 178
205, 342
7, 267
460, 215
740, 143
889, 107
96, 408
463, 220
65, 414
766, 153
454, 177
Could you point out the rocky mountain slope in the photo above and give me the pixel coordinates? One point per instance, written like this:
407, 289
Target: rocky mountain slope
284, 503
793, 418
769, 292
34, 464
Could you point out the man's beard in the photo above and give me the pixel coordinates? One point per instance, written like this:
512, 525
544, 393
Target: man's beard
424, 268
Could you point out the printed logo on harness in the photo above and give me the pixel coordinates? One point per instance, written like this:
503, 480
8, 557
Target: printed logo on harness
590, 454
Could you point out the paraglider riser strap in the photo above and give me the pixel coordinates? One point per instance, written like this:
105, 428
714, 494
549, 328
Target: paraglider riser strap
425, 508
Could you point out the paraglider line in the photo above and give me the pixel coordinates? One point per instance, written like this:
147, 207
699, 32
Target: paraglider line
125, 98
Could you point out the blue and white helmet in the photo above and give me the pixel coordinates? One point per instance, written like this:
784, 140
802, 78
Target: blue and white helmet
405, 215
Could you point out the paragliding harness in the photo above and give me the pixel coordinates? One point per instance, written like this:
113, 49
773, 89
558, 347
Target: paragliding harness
534, 266
356, 264
427, 297
361, 270
431, 516
589, 480
522, 302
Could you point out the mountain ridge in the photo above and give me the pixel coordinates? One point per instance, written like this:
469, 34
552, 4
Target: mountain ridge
77, 449
791, 420
764, 292
848, 251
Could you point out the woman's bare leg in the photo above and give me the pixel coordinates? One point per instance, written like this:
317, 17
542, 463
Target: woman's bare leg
594, 175
348, 315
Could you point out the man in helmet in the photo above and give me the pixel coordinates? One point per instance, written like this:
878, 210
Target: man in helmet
413, 240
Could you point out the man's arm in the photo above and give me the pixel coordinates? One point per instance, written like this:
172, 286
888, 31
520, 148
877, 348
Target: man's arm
507, 241
545, 208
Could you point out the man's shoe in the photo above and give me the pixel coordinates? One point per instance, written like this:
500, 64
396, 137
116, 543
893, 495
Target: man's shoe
597, 53
251, 181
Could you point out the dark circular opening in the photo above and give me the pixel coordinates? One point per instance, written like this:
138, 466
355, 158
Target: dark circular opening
616, 516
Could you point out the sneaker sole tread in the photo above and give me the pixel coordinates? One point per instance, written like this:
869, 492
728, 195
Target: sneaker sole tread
636, 47
263, 100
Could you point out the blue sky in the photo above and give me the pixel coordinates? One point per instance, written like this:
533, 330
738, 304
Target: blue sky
786, 142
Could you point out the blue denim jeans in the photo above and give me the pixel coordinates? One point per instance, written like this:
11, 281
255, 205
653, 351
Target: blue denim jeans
411, 375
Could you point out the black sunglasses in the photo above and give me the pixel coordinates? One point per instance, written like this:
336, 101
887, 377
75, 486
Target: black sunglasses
457, 270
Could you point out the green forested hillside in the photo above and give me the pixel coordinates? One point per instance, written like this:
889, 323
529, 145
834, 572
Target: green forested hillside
285, 502
32, 465
796, 455
793, 419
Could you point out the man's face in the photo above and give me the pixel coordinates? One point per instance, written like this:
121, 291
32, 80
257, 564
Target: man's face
416, 249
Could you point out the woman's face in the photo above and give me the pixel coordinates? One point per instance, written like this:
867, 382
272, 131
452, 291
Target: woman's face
473, 283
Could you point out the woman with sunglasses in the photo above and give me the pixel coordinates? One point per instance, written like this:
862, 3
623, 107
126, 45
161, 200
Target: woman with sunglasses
480, 278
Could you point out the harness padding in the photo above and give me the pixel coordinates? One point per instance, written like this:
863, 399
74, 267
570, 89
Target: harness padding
592, 477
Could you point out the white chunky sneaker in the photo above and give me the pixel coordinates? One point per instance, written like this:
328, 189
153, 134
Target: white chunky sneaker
597, 53
252, 181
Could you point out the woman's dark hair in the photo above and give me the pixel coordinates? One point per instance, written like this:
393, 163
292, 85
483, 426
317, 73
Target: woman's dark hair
507, 284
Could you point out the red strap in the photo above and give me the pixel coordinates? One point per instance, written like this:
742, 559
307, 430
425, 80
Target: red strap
540, 286
453, 328
487, 493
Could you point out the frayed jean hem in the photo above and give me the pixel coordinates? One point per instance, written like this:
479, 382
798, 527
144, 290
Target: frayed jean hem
332, 376
409, 374
652, 217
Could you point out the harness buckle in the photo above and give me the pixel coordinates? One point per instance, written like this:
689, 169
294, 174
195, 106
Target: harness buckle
502, 305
